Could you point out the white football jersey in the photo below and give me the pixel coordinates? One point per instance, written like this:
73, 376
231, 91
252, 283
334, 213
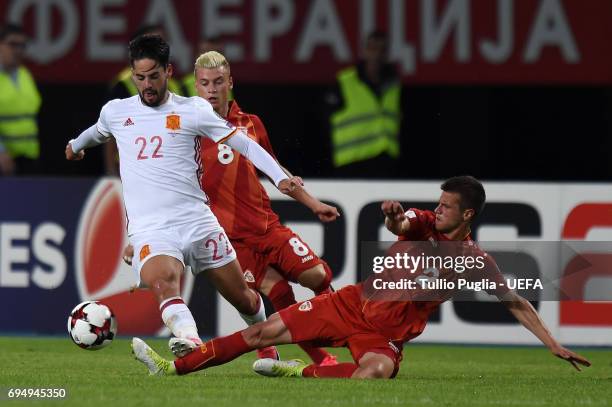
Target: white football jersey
159, 158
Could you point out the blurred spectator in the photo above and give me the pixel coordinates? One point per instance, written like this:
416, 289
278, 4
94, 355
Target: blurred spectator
122, 87
365, 123
19, 105
204, 45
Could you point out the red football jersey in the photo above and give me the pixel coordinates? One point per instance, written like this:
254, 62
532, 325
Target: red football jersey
237, 197
402, 314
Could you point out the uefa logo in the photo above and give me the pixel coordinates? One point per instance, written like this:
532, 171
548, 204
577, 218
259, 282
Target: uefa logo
101, 273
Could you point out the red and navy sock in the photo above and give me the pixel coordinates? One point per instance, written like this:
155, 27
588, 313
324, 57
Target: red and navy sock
213, 353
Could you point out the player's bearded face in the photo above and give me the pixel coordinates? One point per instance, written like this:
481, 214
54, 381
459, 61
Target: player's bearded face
151, 80
448, 212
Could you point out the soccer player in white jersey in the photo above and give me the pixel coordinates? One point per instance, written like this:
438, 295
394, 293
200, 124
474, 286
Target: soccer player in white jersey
169, 222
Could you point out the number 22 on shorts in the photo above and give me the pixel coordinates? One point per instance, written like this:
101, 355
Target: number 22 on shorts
214, 244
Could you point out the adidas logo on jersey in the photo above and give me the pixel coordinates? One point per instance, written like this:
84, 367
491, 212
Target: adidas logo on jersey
128, 122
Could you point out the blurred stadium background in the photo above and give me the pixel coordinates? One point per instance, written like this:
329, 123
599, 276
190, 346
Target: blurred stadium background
516, 93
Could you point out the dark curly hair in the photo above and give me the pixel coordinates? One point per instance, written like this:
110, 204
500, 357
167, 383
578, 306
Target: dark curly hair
151, 47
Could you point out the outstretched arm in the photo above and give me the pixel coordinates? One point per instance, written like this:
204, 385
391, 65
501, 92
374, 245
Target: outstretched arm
263, 161
91, 137
524, 312
325, 213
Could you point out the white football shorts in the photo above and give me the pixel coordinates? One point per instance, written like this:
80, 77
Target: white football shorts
198, 246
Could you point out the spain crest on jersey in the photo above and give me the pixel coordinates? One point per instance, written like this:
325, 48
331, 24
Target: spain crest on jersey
144, 252
173, 122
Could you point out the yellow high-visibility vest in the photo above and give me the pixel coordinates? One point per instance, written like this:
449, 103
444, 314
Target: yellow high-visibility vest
189, 85
367, 125
19, 105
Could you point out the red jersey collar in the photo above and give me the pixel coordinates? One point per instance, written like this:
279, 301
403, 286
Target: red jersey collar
234, 110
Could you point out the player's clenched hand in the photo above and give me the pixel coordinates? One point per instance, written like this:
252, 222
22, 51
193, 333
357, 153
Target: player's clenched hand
299, 180
393, 210
289, 184
128, 254
573, 358
70, 155
326, 213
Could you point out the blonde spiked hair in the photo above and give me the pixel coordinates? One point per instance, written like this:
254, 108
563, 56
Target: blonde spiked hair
211, 60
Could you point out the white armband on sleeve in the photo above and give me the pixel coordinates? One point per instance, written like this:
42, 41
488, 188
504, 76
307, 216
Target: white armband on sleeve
91, 137
258, 156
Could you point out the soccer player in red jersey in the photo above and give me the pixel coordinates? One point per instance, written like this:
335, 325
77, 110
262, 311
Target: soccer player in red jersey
270, 254
374, 329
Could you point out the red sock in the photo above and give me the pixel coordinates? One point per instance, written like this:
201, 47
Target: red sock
212, 353
339, 370
281, 296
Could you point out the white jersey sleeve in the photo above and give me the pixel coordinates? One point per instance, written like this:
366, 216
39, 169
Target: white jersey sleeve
90, 137
209, 123
103, 124
258, 156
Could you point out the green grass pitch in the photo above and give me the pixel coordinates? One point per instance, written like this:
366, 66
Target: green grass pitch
431, 375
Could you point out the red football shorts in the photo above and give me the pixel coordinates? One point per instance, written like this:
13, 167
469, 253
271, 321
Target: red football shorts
335, 320
279, 248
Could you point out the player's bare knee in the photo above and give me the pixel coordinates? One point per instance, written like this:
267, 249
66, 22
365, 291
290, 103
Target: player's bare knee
159, 268
162, 280
164, 289
165, 277
313, 277
376, 371
375, 366
381, 371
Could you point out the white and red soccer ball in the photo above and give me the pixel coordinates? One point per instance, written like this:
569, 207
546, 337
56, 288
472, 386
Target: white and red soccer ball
92, 325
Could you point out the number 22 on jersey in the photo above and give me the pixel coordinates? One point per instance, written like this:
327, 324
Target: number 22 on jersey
154, 144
